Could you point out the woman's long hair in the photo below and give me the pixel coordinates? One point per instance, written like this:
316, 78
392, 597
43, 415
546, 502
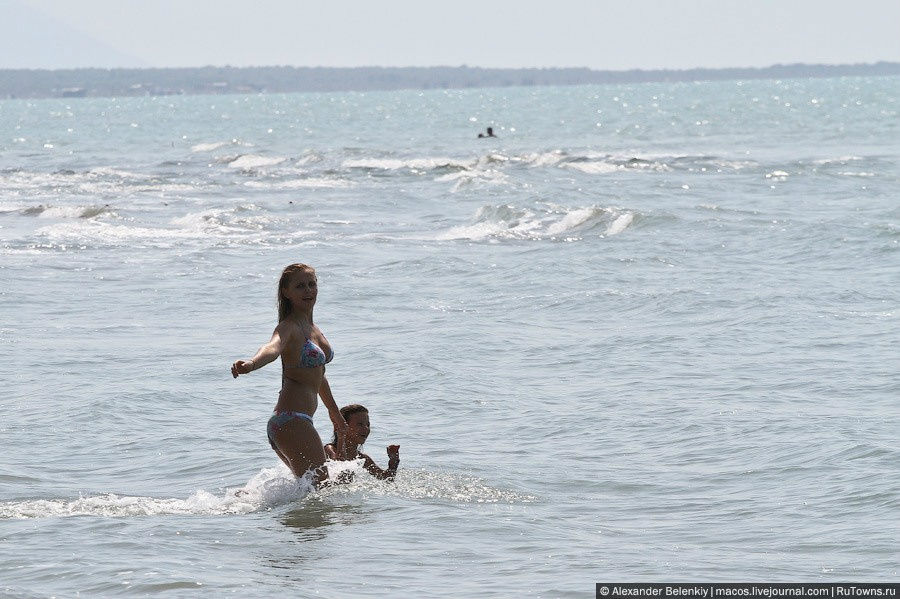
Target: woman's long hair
284, 304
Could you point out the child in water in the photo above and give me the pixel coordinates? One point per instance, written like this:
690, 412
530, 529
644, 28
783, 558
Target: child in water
358, 428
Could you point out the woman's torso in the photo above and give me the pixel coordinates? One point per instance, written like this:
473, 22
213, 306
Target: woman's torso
303, 360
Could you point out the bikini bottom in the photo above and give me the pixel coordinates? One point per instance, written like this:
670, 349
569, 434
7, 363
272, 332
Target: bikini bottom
279, 419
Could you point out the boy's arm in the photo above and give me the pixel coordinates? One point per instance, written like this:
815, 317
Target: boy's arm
393, 463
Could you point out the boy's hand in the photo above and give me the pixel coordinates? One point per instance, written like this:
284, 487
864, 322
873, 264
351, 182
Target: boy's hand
393, 452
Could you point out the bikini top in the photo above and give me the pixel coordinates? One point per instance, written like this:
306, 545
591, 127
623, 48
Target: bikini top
312, 356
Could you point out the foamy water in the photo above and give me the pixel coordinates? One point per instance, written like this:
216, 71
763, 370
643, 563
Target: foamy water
647, 333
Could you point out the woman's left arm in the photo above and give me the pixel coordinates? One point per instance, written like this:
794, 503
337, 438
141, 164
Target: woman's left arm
337, 420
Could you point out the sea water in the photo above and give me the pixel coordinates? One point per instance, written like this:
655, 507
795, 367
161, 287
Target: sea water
649, 332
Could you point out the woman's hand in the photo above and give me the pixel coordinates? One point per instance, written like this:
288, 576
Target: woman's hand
340, 425
241, 367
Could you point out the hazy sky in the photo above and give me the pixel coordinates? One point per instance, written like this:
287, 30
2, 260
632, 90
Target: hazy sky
547, 33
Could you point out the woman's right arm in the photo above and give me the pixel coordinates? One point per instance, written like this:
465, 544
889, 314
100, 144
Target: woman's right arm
265, 354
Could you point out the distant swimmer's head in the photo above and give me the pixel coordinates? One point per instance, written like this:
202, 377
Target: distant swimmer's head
358, 427
490, 132
297, 287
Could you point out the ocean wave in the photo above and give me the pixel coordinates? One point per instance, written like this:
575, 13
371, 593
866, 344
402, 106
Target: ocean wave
511, 222
95, 181
466, 178
215, 145
841, 160
595, 168
413, 164
495, 166
537, 159
855, 174
307, 183
93, 233
62, 212
609, 163
224, 225
599, 163
253, 161
227, 220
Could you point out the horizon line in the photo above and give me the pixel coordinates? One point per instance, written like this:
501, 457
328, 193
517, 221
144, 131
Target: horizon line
470, 67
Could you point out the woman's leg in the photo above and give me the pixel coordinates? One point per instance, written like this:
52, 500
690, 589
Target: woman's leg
300, 447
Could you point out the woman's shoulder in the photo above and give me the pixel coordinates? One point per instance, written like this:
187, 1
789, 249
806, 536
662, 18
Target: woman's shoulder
287, 328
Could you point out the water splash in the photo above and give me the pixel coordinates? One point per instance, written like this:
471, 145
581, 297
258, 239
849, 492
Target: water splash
270, 488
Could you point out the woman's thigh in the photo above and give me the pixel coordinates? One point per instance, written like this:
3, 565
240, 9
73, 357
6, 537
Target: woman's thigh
299, 442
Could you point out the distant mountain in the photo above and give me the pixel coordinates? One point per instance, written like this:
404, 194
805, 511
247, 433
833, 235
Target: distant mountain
57, 44
222, 80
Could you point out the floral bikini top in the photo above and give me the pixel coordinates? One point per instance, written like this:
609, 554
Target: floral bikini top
312, 356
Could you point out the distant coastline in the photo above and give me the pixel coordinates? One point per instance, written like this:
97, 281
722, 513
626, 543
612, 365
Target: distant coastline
25, 83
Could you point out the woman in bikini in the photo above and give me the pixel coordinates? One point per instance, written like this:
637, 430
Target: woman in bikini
304, 352
345, 445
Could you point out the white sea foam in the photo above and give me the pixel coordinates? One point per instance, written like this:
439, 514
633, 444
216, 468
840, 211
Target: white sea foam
215, 145
108, 171
620, 224
238, 223
736, 165
571, 220
209, 147
420, 485
838, 160
96, 181
420, 164
595, 168
601, 165
254, 161
308, 158
466, 178
511, 222
93, 233
63, 212
538, 159
270, 487
311, 182
224, 220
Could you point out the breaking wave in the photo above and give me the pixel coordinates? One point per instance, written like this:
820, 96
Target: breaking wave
510, 222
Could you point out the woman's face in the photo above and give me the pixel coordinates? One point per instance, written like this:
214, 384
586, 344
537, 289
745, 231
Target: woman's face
358, 427
302, 289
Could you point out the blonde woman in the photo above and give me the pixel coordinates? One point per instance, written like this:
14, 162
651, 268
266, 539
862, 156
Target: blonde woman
304, 352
